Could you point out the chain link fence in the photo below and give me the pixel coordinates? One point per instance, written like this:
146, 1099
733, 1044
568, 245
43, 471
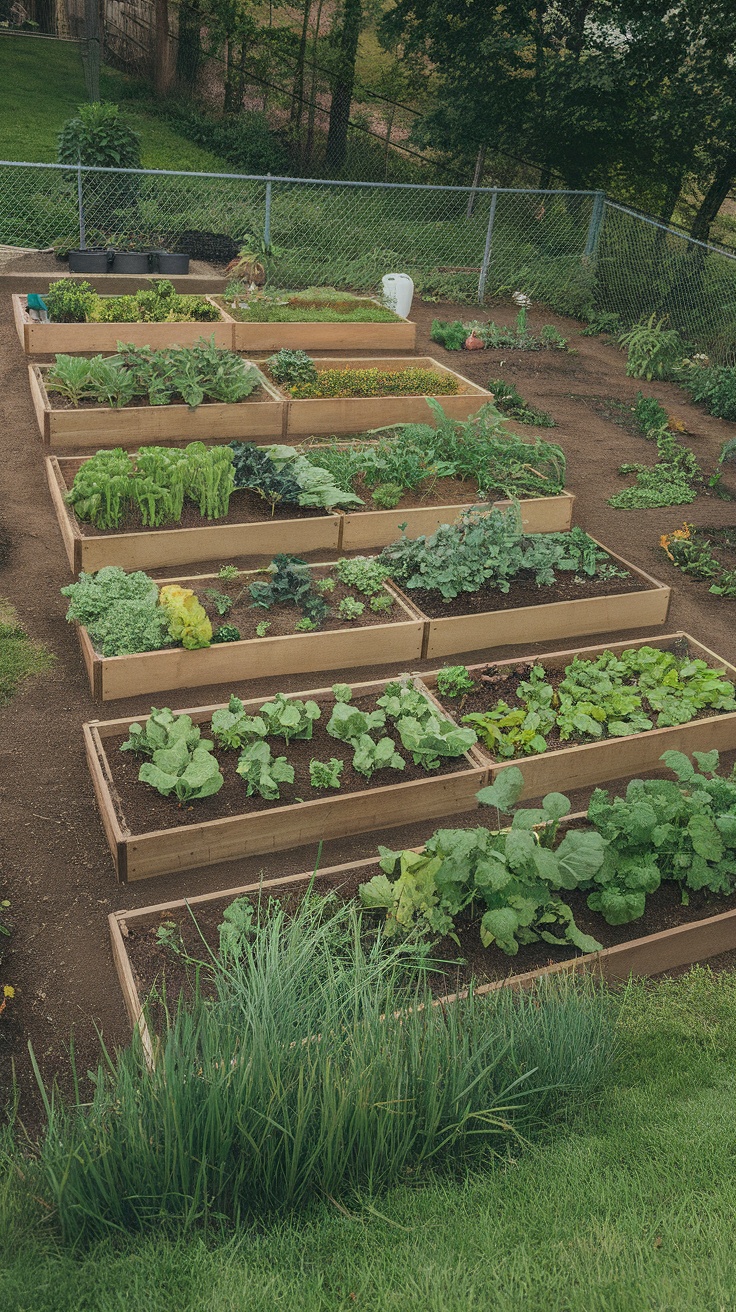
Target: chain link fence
575, 251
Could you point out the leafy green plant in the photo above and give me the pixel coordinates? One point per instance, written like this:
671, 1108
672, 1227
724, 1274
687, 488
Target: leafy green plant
387, 495
364, 573
120, 611
292, 368
290, 584
370, 756
672, 481
510, 402
189, 772
350, 608
488, 549
516, 874
262, 772
454, 680
653, 350
326, 774
684, 831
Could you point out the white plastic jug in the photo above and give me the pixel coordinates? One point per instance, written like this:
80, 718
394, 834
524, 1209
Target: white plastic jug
398, 290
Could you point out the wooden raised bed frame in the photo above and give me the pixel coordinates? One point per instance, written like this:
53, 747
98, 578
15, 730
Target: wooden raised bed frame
401, 335
669, 949
406, 640
260, 421
76, 338
112, 677
351, 414
332, 531
583, 764
155, 548
555, 619
188, 847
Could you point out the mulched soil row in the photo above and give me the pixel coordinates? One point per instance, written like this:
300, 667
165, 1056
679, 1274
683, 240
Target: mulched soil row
55, 865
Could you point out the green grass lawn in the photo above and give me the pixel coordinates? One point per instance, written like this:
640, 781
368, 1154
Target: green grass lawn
43, 83
631, 1209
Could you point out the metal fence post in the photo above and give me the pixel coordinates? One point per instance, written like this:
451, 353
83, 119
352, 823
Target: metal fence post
594, 227
487, 251
80, 201
267, 217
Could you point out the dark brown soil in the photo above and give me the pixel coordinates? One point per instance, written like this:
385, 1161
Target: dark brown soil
523, 592
143, 809
55, 864
153, 963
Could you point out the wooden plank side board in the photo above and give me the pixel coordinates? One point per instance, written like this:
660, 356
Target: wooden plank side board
156, 548
551, 620
653, 954
356, 414
583, 764
378, 528
72, 338
189, 847
112, 677
398, 336
259, 420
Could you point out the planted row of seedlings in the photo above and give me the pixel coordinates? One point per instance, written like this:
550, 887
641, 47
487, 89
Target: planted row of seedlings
205, 393
176, 506
637, 885
478, 583
319, 318
413, 751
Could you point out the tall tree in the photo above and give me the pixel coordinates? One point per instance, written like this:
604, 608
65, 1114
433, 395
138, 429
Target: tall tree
345, 36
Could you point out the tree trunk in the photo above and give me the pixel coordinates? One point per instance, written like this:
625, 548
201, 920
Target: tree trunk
189, 48
297, 95
162, 70
342, 86
714, 198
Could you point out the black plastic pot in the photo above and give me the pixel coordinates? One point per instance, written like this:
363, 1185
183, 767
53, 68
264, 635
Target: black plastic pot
131, 262
172, 263
90, 261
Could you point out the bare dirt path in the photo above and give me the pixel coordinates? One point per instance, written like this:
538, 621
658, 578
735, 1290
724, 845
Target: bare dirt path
55, 865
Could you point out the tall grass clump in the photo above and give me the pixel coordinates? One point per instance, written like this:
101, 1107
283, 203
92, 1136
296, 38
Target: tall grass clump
312, 1067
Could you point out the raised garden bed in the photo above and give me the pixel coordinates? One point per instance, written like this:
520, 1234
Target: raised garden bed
259, 418
369, 640
247, 826
619, 604
70, 338
395, 334
296, 529
583, 763
248, 530
359, 414
693, 934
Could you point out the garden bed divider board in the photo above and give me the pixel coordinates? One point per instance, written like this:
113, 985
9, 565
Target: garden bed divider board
400, 335
378, 528
259, 421
276, 829
356, 414
112, 677
334, 530
584, 764
654, 954
77, 338
156, 548
455, 634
